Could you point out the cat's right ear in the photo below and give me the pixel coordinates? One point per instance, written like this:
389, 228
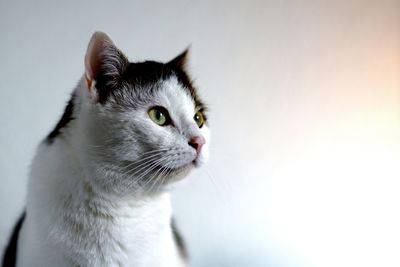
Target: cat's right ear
105, 62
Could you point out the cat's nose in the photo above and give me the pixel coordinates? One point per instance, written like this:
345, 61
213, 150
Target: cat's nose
197, 142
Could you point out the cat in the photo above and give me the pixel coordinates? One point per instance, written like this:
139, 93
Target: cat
98, 191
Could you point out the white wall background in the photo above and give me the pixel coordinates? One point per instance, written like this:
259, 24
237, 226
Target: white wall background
305, 113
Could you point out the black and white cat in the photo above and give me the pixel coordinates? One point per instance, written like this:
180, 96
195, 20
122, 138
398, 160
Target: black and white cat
98, 187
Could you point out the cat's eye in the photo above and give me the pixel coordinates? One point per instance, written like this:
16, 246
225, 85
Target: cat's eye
199, 119
159, 115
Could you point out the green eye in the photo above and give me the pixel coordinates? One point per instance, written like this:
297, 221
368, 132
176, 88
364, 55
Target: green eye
159, 115
199, 119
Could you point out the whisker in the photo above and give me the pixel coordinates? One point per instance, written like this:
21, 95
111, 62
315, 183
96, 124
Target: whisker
142, 166
141, 161
150, 167
156, 150
221, 191
166, 158
157, 178
163, 178
146, 168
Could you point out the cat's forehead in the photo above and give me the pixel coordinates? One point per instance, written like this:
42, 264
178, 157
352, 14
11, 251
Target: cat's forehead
152, 78
172, 93
154, 83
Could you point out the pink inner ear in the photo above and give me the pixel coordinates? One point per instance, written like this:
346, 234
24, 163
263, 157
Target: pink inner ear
98, 43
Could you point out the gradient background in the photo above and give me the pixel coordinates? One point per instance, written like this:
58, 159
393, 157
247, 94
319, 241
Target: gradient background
305, 117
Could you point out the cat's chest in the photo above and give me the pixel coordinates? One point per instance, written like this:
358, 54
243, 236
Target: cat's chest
133, 243
136, 234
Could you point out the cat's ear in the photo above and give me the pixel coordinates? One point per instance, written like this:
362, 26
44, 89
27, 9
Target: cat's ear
181, 60
103, 61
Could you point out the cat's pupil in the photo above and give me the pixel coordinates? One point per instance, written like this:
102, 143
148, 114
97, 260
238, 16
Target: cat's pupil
158, 115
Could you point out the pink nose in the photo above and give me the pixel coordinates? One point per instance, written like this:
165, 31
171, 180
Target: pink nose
197, 142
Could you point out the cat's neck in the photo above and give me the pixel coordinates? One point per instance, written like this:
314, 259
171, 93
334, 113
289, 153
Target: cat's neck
111, 229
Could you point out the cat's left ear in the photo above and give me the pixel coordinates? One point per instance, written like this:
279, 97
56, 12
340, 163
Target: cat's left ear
181, 61
104, 65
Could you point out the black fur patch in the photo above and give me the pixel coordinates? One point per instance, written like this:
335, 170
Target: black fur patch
145, 74
10, 256
63, 122
180, 244
142, 77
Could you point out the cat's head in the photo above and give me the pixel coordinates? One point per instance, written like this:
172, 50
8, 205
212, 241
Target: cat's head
142, 125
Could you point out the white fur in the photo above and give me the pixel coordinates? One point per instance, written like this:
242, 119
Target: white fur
73, 222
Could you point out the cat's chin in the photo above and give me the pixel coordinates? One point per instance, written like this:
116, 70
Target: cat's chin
184, 169
178, 173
